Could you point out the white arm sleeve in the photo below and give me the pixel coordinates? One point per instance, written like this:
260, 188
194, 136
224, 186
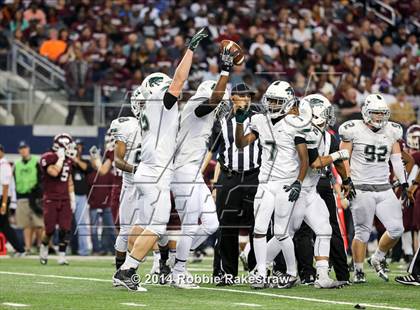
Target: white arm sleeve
398, 167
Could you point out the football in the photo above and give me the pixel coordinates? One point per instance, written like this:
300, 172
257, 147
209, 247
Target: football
232, 46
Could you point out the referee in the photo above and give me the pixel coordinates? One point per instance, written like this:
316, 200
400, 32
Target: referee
235, 188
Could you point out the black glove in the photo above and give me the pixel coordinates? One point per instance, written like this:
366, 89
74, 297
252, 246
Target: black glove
404, 194
241, 115
349, 189
226, 59
294, 189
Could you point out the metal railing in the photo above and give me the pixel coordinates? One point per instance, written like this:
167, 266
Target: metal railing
37, 66
372, 6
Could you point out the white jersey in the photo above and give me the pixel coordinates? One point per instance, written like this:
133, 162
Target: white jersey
371, 150
127, 130
314, 140
159, 128
279, 159
193, 134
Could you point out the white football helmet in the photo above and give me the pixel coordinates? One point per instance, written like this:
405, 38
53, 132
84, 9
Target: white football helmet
322, 111
375, 111
279, 98
154, 81
137, 101
413, 137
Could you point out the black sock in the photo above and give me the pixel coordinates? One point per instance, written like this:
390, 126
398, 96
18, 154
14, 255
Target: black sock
164, 253
119, 259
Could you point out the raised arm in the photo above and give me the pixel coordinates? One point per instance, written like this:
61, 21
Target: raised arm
183, 69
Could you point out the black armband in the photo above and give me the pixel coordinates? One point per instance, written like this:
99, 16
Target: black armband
204, 108
299, 140
313, 155
169, 100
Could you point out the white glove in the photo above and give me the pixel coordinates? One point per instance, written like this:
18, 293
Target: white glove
61, 153
94, 152
341, 154
71, 151
73, 201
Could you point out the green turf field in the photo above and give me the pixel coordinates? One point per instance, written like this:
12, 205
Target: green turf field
86, 284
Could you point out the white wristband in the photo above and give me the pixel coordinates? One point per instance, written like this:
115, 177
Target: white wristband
335, 156
224, 73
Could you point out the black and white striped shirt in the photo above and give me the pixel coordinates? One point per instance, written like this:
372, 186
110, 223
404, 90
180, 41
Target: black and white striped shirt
223, 141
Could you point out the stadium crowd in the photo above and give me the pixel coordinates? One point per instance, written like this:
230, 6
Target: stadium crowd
329, 46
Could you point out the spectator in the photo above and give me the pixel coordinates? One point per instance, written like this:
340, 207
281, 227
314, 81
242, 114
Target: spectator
79, 82
301, 33
81, 168
18, 22
54, 47
6, 179
28, 194
35, 13
390, 49
99, 203
402, 111
212, 73
260, 44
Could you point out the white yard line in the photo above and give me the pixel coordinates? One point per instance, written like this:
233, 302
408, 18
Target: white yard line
13, 304
133, 304
246, 305
45, 283
325, 301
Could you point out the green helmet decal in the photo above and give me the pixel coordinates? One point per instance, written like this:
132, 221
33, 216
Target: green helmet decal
155, 81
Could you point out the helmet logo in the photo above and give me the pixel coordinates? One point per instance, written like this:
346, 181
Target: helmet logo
155, 81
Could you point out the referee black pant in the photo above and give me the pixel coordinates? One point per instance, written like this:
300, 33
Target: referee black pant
235, 210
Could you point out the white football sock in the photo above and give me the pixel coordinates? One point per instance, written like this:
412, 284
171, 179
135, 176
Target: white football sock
379, 255
322, 268
62, 254
156, 257
179, 266
130, 262
183, 247
288, 249
247, 248
260, 248
358, 266
273, 249
407, 243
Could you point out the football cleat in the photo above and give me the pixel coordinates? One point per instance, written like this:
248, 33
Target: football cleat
409, 280
379, 268
183, 281
359, 277
309, 280
43, 254
197, 257
244, 261
258, 282
328, 283
283, 280
164, 272
129, 279
62, 261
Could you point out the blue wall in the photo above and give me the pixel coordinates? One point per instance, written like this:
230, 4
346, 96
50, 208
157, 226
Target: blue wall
10, 136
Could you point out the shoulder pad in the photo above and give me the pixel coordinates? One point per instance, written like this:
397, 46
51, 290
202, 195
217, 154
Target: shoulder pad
396, 130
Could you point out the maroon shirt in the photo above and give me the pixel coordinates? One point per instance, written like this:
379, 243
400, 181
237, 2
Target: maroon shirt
117, 173
100, 192
55, 188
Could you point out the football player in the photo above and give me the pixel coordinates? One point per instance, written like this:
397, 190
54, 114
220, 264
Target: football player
372, 143
192, 196
310, 207
127, 134
159, 127
58, 198
284, 163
